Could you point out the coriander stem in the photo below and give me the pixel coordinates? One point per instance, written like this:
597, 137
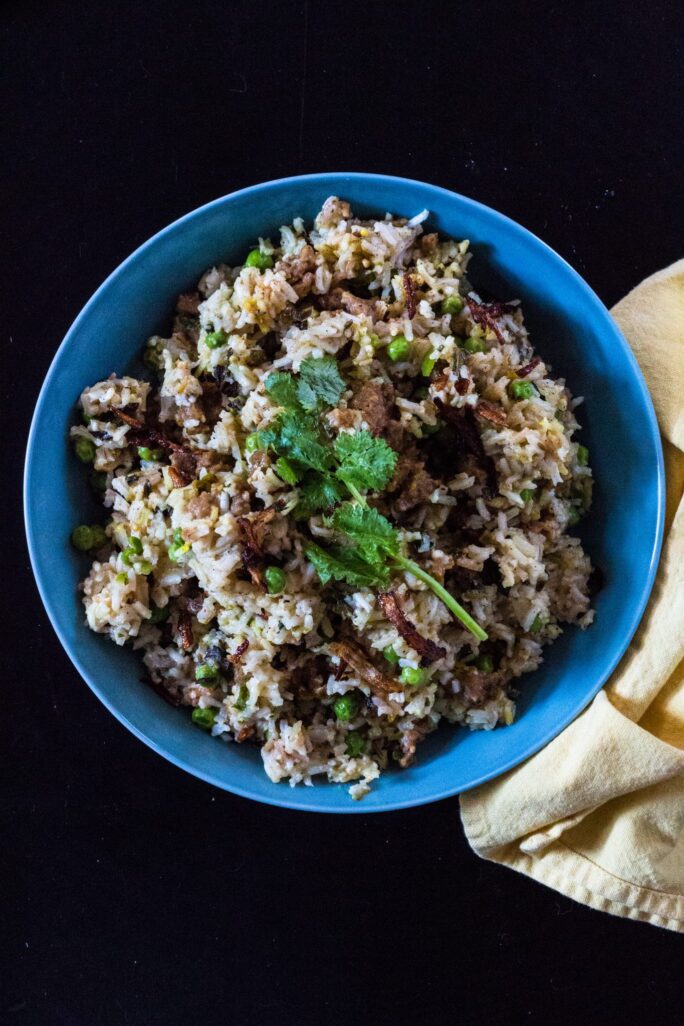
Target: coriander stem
441, 593
356, 493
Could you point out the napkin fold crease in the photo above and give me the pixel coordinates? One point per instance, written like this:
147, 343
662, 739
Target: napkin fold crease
598, 814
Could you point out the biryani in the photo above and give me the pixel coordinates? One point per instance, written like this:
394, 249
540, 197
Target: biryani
340, 504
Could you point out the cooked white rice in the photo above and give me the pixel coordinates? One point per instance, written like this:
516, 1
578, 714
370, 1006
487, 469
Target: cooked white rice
489, 518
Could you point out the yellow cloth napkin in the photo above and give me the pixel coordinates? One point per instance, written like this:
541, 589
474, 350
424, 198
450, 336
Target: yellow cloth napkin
599, 813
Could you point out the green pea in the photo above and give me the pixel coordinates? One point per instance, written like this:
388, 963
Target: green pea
527, 495
355, 744
143, 566
206, 671
582, 455
399, 348
574, 516
85, 450
257, 258
521, 390
82, 538
159, 613
99, 536
346, 707
390, 655
135, 545
215, 339
275, 578
205, 718
252, 442
536, 624
286, 471
472, 344
121, 578
452, 305
427, 366
150, 455
485, 663
412, 675
85, 538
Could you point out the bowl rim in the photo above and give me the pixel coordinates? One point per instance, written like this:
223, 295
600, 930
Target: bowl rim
289, 799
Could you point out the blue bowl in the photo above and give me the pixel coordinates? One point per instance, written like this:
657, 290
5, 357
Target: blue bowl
570, 327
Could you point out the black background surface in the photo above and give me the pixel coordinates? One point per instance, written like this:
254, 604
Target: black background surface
135, 894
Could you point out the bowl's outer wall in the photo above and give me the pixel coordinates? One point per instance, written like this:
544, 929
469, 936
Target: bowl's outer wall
571, 329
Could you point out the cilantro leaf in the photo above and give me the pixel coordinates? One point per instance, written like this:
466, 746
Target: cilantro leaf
297, 436
318, 492
320, 383
373, 534
338, 563
366, 463
282, 388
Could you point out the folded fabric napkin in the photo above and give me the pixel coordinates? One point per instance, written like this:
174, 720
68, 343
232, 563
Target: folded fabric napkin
599, 813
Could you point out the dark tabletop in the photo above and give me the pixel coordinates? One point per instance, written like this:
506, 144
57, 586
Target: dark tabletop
135, 894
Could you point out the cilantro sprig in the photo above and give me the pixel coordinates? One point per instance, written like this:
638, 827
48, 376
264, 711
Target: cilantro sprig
355, 463
376, 543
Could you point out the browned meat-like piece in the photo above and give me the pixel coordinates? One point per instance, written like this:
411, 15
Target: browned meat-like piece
464, 423
212, 401
374, 402
209, 459
201, 505
254, 529
522, 372
240, 504
308, 681
396, 435
462, 385
417, 489
299, 270
352, 654
188, 303
478, 686
185, 629
410, 295
245, 733
488, 411
428, 243
340, 299
487, 314
411, 482
409, 741
183, 469
426, 649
